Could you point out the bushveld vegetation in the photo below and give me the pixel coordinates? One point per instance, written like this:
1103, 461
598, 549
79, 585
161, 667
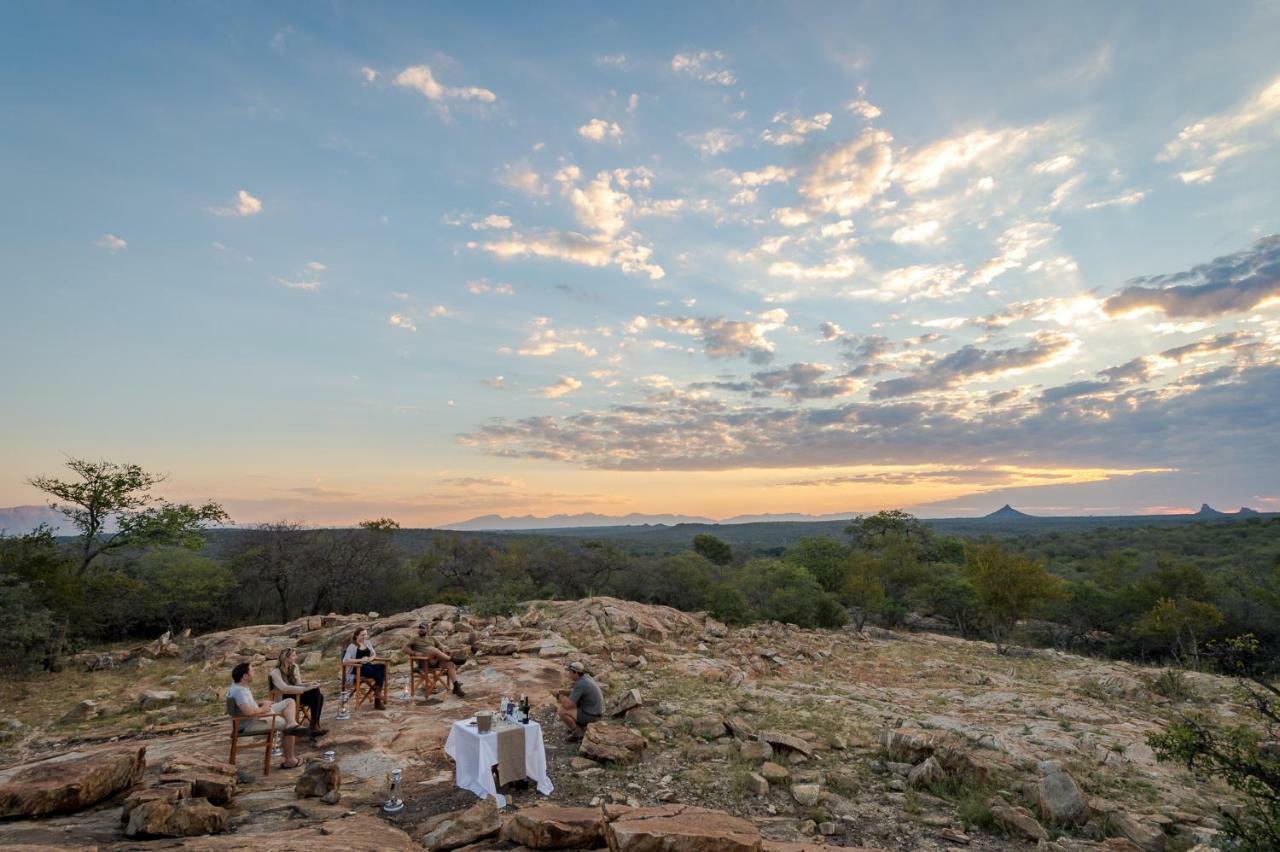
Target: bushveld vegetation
141, 565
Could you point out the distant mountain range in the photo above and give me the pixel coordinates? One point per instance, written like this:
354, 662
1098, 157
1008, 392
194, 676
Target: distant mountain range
17, 520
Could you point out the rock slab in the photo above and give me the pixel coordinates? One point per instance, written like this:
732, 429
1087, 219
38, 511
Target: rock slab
460, 828
613, 743
681, 828
183, 818
551, 827
67, 786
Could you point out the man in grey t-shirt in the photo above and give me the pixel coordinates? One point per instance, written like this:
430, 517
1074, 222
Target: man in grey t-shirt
583, 703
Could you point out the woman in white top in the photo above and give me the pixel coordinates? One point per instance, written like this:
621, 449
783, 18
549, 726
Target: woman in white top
285, 681
359, 649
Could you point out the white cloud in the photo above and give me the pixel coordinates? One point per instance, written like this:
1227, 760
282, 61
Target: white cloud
598, 205
438, 311
792, 131
245, 205
1063, 191
790, 217
308, 286
545, 341
612, 60
521, 176
421, 79
624, 252
864, 108
830, 331
1206, 143
917, 232
369, 74
762, 177
1127, 200
597, 130
1054, 165
916, 282
1016, 244
705, 65
929, 166
481, 286
111, 243
316, 266
835, 270
848, 176
633, 103
401, 321
492, 222
566, 384
714, 142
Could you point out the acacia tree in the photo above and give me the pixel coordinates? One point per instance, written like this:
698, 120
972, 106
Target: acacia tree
109, 495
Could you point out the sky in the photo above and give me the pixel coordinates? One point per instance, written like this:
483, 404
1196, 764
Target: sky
327, 262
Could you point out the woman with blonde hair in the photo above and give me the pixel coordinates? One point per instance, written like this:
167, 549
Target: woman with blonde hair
285, 681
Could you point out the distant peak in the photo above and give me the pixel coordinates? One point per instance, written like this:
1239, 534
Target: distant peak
1005, 512
1208, 511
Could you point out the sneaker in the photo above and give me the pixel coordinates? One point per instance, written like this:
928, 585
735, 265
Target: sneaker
457, 690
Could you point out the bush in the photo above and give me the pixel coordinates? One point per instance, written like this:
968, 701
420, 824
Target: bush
25, 626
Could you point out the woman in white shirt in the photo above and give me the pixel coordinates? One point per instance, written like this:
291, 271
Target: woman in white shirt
359, 649
285, 681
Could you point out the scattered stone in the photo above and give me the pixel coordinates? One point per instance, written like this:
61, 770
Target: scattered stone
552, 827
775, 773
757, 784
928, 773
1016, 820
612, 743
740, 728
459, 828
582, 763
707, 727
318, 780
1058, 796
153, 698
907, 746
755, 750
64, 786
952, 836
183, 818
781, 740
1144, 836
208, 779
629, 700
806, 794
164, 793
82, 712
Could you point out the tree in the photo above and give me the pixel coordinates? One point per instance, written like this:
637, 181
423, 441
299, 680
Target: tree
874, 531
272, 555
714, 549
823, 557
379, 525
1009, 587
1182, 624
1236, 753
863, 589
119, 495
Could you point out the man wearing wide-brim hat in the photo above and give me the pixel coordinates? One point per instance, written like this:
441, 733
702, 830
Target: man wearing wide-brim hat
583, 703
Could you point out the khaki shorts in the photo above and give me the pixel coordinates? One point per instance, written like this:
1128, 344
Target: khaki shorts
263, 725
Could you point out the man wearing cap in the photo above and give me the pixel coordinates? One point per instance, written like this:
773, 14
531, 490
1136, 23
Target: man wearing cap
582, 704
423, 645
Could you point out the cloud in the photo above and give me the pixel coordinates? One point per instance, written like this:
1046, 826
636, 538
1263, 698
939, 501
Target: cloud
790, 217
1229, 284
1208, 142
919, 281
724, 338
971, 361
705, 65
545, 341
864, 108
793, 130
830, 330
482, 482
918, 232
1054, 165
836, 269
931, 165
849, 176
401, 321
492, 222
566, 384
497, 383
521, 176
420, 79
714, 142
762, 177
1128, 199
245, 205
369, 74
625, 252
305, 285
803, 380
1015, 244
598, 130
111, 243
480, 286
612, 60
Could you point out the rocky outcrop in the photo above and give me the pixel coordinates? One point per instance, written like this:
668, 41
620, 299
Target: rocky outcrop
612, 743
460, 828
552, 827
64, 786
350, 834
207, 779
320, 780
1017, 821
681, 828
1058, 796
777, 739
183, 818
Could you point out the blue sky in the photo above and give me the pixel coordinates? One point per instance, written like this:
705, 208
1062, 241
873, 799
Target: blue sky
328, 262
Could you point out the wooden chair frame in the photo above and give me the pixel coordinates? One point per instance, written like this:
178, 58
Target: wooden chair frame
362, 690
429, 678
301, 711
268, 736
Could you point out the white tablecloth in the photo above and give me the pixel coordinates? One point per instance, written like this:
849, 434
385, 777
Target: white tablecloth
475, 755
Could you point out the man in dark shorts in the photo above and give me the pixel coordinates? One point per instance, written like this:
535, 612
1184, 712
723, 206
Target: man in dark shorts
423, 645
582, 704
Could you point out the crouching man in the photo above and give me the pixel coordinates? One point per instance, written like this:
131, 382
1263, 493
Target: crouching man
582, 704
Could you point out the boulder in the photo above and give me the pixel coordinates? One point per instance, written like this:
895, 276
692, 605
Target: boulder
164, 793
154, 698
926, 774
708, 727
498, 647
69, 785
318, 780
553, 827
1058, 796
459, 828
777, 739
740, 728
907, 746
629, 700
806, 795
757, 784
1017, 821
1146, 837
681, 828
755, 750
82, 712
774, 773
183, 818
613, 743
208, 779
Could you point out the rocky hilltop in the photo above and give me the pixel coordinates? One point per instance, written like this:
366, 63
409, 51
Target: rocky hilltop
719, 738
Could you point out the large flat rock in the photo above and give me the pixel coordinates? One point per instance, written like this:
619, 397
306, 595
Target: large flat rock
70, 783
681, 828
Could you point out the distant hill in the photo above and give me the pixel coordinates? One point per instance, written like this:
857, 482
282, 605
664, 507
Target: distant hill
586, 519
1007, 513
1248, 513
1207, 511
17, 520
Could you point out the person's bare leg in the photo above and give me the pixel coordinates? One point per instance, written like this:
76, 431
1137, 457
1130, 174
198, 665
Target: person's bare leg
288, 752
290, 713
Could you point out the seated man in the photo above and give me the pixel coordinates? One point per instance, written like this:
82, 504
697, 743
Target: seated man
582, 704
240, 700
424, 646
